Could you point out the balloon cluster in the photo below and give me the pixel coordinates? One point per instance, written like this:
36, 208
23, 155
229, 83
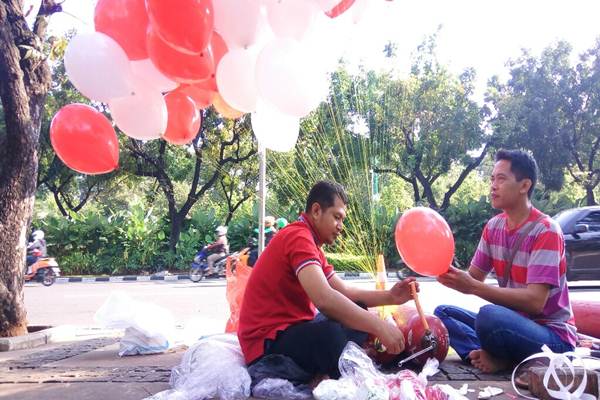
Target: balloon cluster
157, 63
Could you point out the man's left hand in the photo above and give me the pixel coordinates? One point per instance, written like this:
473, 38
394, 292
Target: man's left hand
400, 292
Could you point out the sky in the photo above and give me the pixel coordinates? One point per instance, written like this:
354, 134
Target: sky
481, 34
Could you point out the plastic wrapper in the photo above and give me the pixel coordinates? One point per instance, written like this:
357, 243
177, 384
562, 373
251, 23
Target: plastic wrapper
213, 368
340, 389
275, 388
360, 379
149, 328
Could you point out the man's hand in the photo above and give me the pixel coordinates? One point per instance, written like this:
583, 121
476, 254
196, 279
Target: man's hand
400, 292
458, 280
391, 337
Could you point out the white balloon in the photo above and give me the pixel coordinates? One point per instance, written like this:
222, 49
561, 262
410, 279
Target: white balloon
274, 129
291, 18
238, 21
142, 115
236, 79
98, 67
326, 5
288, 78
359, 9
145, 71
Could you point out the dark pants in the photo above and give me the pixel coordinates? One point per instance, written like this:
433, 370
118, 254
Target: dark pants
500, 331
31, 260
316, 345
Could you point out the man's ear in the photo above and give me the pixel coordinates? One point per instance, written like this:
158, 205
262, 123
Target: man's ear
525, 186
315, 209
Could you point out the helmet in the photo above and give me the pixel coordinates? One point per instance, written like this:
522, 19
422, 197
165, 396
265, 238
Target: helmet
269, 221
38, 235
221, 231
281, 222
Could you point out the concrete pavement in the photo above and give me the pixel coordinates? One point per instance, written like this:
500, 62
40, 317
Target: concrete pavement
91, 369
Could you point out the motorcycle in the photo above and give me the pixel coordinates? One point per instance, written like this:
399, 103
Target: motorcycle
199, 266
44, 270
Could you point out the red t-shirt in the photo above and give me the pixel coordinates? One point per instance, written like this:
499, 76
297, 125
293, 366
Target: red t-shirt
274, 297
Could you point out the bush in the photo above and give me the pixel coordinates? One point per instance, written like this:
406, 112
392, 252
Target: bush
348, 262
467, 221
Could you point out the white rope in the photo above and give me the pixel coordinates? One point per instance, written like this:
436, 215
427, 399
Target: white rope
559, 360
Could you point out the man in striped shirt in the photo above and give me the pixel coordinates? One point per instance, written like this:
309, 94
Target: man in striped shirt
525, 249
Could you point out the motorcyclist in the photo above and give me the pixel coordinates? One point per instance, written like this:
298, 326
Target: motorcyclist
219, 248
272, 225
36, 248
280, 223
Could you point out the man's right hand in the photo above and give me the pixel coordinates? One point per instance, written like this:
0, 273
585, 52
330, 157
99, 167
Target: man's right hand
391, 337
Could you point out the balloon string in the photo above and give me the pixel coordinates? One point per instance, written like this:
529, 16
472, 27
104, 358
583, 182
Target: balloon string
415, 296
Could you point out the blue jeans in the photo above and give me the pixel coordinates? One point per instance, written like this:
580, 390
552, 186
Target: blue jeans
498, 330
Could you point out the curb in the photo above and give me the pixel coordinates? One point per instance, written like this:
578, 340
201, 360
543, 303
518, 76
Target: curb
63, 333
180, 277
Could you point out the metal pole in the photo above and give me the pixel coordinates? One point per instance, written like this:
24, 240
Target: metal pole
262, 195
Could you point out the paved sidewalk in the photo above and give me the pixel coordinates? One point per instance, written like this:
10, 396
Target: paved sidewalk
91, 369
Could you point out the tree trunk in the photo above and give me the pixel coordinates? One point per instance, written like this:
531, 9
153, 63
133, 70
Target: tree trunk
176, 223
589, 196
24, 82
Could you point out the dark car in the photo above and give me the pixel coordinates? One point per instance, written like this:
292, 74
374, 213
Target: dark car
581, 228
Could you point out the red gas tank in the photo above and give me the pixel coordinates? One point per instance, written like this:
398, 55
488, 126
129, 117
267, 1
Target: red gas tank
587, 317
416, 338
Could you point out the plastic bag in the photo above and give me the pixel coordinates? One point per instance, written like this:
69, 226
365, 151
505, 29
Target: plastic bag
275, 388
331, 389
360, 380
148, 328
237, 278
213, 368
406, 385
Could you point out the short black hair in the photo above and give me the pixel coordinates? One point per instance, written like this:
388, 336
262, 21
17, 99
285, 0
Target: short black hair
324, 193
522, 164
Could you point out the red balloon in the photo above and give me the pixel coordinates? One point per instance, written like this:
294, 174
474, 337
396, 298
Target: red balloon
186, 25
218, 49
84, 139
184, 119
202, 98
180, 67
414, 332
341, 8
425, 241
126, 22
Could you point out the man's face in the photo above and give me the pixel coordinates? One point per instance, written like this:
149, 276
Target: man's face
505, 191
329, 222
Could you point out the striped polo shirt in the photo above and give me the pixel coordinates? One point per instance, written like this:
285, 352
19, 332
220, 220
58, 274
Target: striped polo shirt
540, 259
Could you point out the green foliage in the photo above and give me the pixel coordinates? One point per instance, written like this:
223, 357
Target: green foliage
348, 262
552, 108
467, 220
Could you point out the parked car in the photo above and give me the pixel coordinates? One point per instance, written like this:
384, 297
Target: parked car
581, 228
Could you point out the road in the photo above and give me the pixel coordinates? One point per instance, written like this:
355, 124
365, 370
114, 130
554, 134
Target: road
203, 303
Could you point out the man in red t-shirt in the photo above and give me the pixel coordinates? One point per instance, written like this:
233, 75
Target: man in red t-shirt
292, 279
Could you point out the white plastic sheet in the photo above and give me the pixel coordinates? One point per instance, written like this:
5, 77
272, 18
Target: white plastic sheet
149, 328
213, 368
